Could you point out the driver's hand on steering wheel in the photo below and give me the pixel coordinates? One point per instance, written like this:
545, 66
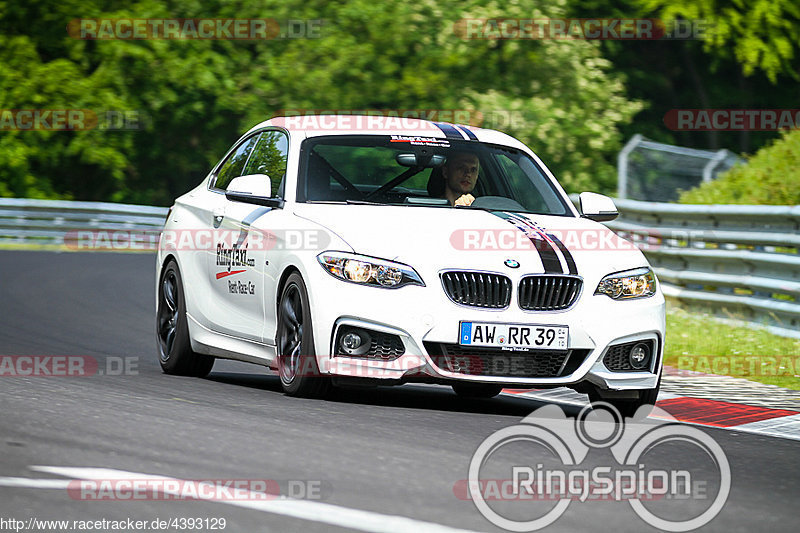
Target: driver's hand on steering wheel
465, 199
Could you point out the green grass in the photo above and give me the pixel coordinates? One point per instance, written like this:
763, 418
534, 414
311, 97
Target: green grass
699, 342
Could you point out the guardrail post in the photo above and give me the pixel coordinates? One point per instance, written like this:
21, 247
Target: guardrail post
622, 165
712, 164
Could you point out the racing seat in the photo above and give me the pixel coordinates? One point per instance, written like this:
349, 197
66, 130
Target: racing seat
436, 183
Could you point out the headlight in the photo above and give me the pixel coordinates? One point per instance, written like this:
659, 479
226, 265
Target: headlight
639, 283
368, 270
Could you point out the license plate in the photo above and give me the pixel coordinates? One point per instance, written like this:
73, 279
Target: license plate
513, 335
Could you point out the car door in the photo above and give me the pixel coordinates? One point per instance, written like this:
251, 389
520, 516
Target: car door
241, 251
233, 267
270, 157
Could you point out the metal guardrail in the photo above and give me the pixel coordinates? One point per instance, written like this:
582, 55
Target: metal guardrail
648, 170
739, 260
59, 223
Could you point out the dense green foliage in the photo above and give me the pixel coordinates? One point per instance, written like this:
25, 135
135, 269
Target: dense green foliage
760, 34
771, 176
670, 74
573, 101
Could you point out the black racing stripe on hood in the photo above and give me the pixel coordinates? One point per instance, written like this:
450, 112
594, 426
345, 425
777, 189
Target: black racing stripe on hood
550, 260
567, 255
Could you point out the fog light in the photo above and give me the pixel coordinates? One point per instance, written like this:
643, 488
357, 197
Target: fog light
639, 356
351, 341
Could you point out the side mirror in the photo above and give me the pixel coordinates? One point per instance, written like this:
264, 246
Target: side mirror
255, 184
597, 207
252, 189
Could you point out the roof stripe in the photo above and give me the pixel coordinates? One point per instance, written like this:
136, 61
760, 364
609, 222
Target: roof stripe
450, 131
468, 132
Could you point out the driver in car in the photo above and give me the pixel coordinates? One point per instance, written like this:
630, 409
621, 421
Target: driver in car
460, 174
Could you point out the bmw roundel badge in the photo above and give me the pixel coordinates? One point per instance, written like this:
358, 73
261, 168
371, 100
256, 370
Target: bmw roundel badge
510, 263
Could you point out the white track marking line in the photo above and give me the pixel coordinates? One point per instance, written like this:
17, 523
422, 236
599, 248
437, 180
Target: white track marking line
326, 513
29, 483
787, 427
568, 396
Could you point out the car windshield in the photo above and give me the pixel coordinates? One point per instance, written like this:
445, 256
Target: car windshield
424, 171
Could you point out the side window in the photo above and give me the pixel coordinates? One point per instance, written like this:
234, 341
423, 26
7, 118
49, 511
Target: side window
269, 157
520, 184
234, 165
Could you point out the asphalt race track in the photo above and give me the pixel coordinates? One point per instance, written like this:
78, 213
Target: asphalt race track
394, 452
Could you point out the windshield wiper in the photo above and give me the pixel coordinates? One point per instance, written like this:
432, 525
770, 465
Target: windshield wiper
363, 202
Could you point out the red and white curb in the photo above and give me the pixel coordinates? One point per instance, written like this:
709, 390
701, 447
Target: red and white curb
709, 400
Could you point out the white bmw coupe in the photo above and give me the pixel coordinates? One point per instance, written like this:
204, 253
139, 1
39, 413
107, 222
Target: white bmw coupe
379, 250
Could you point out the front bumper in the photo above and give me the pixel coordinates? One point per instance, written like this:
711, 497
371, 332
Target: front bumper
423, 317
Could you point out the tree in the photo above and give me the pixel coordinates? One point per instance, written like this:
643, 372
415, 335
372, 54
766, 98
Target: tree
197, 96
761, 34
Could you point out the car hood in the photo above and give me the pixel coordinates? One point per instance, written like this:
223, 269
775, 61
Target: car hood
433, 238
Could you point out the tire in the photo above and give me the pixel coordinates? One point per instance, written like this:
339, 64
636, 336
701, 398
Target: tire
297, 361
629, 407
476, 390
172, 330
